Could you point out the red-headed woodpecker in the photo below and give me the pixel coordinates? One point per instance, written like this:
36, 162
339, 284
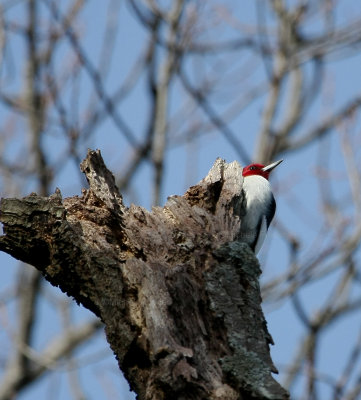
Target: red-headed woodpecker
260, 204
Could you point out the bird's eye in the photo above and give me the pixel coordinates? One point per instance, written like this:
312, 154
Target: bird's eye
253, 167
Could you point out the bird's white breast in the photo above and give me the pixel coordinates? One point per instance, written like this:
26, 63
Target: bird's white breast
258, 193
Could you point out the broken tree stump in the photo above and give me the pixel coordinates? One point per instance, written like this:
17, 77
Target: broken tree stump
179, 296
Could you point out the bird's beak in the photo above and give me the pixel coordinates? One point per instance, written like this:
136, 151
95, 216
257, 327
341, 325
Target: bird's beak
270, 167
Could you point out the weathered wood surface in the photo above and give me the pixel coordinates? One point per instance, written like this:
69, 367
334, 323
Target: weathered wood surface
178, 295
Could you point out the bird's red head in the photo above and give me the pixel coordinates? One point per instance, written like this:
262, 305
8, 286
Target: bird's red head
259, 169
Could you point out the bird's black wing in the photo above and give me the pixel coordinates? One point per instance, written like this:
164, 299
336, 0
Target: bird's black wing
264, 221
271, 211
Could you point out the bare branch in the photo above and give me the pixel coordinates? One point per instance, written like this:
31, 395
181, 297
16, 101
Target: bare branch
161, 99
321, 129
15, 379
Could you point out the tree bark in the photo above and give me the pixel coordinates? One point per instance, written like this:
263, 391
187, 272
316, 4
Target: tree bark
179, 296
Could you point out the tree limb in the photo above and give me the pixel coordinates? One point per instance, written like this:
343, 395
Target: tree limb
179, 297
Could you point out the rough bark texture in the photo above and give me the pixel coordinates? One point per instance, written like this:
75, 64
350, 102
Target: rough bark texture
179, 297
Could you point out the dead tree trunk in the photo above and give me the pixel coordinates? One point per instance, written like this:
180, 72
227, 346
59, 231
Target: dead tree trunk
179, 297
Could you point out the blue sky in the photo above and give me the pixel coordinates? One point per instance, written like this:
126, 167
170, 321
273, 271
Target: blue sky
295, 184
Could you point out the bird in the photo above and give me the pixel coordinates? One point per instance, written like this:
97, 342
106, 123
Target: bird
260, 205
